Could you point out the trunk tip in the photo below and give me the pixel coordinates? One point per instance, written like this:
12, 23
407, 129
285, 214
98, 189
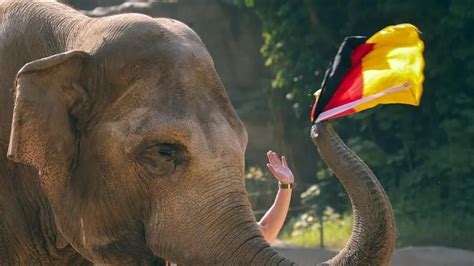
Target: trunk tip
314, 131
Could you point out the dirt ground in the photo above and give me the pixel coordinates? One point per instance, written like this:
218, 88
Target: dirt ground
410, 256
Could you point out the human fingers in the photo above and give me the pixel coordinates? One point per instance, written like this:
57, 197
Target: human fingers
275, 158
284, 162
272, 169
271, 157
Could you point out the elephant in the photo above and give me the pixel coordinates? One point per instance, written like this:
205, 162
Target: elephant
119, 145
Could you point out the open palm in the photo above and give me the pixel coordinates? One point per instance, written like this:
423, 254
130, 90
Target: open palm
279, 168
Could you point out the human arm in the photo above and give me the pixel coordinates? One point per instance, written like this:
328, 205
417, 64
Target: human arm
272, 222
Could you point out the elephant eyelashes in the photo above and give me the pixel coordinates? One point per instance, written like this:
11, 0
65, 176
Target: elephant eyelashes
167, 152
160, 160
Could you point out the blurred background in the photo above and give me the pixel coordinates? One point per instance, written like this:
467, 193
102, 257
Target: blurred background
271, 56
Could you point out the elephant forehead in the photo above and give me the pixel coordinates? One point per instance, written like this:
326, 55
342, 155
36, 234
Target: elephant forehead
148, 125
172, 96
171, 76
141, 38
194, 97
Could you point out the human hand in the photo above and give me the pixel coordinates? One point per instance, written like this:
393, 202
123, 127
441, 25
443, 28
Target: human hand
279, 169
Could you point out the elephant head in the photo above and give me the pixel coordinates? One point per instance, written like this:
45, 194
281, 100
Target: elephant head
141, 153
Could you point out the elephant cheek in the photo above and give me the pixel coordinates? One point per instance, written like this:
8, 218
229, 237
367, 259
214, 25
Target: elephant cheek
152, 234
158, 235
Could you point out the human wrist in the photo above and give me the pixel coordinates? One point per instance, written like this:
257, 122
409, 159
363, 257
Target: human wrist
287, 180
286, 186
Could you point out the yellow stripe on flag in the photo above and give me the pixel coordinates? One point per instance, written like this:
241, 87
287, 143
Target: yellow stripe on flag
396, 59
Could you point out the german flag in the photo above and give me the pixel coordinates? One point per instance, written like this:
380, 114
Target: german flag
385, 68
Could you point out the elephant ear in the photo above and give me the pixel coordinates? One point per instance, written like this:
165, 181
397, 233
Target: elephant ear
47, 93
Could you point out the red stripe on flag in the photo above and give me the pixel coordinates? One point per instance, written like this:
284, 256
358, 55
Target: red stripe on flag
360, 52
313, 110
349, 90
351, 86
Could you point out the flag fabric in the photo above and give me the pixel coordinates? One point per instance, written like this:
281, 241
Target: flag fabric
385, 68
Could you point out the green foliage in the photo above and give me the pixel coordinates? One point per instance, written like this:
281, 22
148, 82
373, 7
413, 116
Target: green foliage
260, 186
452, 231
423, 156
305, 230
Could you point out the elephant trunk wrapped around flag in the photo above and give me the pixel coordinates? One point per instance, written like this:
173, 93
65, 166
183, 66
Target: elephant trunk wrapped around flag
386, 68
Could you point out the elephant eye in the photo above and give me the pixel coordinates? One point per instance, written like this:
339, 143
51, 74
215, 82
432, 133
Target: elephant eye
167, 151
160, 160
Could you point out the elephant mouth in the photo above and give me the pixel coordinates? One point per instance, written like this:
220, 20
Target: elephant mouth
158, 261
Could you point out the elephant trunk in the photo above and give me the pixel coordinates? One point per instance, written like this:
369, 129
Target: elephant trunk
239, 239
372, 241
260, 256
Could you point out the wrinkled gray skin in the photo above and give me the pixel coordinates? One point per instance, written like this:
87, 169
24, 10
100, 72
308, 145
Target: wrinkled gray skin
123, 147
